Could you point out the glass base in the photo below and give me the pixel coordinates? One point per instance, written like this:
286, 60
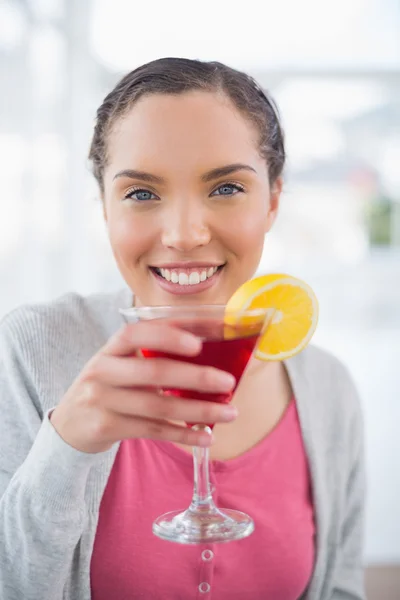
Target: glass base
203, 526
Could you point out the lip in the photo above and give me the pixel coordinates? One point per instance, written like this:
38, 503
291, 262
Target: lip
182, 290
187, 265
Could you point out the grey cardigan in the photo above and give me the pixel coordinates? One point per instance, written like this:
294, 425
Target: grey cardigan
50, 493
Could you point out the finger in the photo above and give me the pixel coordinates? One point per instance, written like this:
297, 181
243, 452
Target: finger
154, 336
150, 405
134, 428
158, 372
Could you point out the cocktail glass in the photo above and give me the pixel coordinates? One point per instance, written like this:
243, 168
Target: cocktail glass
228, 343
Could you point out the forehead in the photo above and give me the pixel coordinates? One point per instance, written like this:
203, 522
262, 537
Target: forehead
190, 129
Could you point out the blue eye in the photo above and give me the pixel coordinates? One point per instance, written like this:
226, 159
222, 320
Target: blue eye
228, 189
140, 195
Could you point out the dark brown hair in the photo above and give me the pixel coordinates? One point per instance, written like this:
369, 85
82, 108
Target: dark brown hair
179, 75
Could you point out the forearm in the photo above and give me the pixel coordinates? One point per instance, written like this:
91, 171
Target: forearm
42, 516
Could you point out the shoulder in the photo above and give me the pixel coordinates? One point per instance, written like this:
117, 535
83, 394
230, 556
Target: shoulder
65, 315
316, 361
328, 392
65, 332
322, 370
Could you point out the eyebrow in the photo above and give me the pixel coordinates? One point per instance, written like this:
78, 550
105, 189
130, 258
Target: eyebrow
224, 171
207, 177
142, 175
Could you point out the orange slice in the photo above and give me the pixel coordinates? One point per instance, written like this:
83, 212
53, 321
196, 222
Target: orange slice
292, 313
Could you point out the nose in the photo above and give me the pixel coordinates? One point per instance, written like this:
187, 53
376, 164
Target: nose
185, 228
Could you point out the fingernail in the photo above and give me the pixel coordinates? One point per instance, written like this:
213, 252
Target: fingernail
191, 343
229, 413
225, 380
205, 440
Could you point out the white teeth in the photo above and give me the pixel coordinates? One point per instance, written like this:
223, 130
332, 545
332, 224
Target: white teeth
194, 278
183, 278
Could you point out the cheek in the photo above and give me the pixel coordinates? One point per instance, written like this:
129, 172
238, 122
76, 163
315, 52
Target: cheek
247, 233
129, 237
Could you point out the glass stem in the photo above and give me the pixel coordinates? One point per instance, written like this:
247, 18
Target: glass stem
202, 495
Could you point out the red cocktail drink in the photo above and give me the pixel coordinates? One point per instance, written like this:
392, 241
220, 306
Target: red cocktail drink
224, 347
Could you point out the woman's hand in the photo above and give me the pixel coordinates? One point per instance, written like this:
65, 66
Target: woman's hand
115, 397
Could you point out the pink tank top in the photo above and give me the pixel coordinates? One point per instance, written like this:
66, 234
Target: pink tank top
270, 482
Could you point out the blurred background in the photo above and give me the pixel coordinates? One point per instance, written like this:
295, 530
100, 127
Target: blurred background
334, 70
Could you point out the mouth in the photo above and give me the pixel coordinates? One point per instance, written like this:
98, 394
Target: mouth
187, 280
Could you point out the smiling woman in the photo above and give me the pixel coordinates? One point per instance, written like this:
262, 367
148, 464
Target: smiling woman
189, 159
196, 196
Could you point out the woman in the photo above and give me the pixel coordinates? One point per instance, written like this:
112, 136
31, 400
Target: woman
189, 159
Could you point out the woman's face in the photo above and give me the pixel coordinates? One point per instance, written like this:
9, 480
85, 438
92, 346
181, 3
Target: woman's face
187, 199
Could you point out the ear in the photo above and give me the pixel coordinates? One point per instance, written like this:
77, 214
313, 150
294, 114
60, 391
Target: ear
102, 199
275, 195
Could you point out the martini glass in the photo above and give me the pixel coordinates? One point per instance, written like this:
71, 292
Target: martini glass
226, 347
